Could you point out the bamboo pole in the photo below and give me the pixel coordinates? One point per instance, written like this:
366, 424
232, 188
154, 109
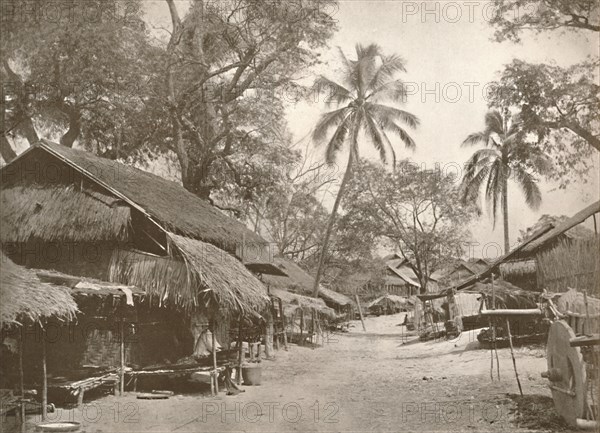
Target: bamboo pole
587, 323
362, 320
301, 327
240, 353
214, 357
122, 372
512, 354
21, 382
44, 380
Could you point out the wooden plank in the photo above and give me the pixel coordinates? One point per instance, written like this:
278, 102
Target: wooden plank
512, 312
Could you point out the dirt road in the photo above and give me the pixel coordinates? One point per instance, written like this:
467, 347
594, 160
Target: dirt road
357, 382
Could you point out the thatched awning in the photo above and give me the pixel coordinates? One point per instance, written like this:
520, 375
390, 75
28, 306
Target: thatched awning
61, 213
24, 297
518, 268
292, 302
195, 275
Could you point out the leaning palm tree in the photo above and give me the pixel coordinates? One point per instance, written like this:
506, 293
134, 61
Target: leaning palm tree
362, 101
505, 156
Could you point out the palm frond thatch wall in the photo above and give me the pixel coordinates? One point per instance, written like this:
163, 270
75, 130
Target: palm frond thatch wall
60, 213
196, 275
574, 264
24, 296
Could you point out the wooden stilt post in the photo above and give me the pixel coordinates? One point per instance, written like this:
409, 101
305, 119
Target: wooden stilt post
362, 320
493, 322
44, 379
512, 354
21, 381
313, 331
284, 325
301, 342
214, 357
122, 372
240, 353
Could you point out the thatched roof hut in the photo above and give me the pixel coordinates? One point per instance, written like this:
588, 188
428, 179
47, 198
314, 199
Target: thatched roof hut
24, 297
297, 280
170, 242
293, 302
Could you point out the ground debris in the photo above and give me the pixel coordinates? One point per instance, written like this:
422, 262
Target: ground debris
537, 412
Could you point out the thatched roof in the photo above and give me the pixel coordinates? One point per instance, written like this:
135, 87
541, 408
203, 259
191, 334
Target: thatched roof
334, 297
61, 213
562, 228
391, 299
296, 279
24, 296
166, 203
293, 301
299, 281
198, 274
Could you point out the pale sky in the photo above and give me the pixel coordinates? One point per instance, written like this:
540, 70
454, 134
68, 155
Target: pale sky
450, 58
451, 54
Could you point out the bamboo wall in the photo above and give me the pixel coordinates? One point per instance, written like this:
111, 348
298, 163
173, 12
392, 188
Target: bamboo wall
574, 264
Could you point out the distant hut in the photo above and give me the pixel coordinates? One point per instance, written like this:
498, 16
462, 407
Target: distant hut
123, 236
387, 304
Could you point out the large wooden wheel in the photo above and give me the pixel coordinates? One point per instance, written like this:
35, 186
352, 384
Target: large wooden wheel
566, 372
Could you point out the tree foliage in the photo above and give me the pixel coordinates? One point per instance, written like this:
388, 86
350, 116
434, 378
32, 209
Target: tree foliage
512, 17
417, 211
558, 107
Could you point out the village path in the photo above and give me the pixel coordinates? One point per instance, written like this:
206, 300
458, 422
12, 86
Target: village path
357, 382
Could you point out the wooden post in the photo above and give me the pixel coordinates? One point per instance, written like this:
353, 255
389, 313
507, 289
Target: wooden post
313, 337
284, 325
512, 354
240, 353
122, 372
214, 357
44, 380
269, 335
301, 342
587, 324
362, 320
21, 380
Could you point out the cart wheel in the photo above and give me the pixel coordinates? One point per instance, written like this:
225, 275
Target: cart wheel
566, 373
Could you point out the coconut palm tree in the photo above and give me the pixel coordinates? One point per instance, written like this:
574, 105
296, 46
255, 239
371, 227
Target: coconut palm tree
505, 156
362, 100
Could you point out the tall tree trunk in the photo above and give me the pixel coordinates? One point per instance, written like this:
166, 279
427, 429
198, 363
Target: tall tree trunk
336, 205
69, 137
505, 214
6, 151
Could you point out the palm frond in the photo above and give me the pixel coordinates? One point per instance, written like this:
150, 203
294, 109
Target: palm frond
475, 139
327, 122
381, 112
373, 131
394, 91
390, 66
528, 184
391, 127
339, 138
334, 92
494, 123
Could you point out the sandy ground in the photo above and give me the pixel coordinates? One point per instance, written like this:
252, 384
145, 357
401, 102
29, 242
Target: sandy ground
357, 382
